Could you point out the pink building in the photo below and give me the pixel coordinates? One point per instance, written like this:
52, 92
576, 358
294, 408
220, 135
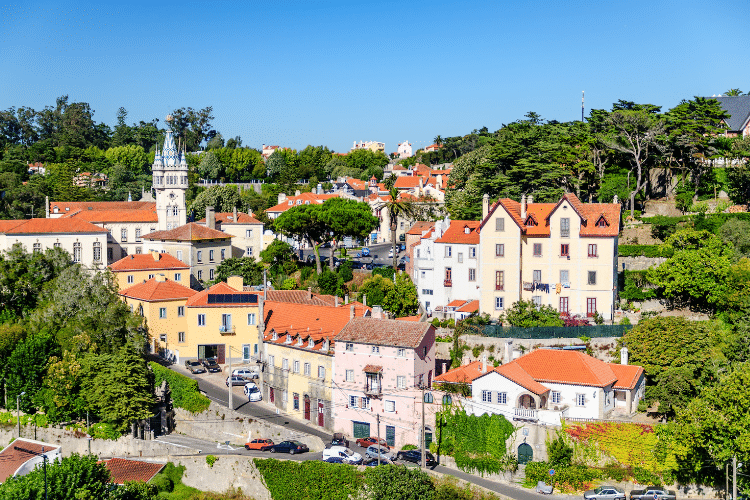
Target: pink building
379, 367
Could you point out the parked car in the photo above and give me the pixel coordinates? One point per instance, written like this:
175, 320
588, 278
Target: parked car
402, 247
605, 493
245, 373
252, 392
335, 460
234, 380
374, 450
194, 367
416, 457
344, 453
543, 488
390, 253
652, 493
369, 441
259, 444
373, 462
290, 447
339, 440
211, 365
365, 252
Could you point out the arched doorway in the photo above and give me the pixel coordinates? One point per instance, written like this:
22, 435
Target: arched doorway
525, 453
307, 407
526, 401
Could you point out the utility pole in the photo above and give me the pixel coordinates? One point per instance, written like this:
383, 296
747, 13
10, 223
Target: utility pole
377, 418
424, 446
229, 379
726, 489
582, 95
734, 477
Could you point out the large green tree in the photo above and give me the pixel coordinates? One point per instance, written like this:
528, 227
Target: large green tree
222, 198
527, 314
347, 218
251, 271
306, 223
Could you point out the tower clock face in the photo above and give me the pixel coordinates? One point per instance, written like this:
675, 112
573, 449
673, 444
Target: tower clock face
171, 196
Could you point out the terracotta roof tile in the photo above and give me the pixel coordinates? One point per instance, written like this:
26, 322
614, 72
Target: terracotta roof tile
407, 182
456, 233
611, 214
123, 470
228, 218
71, 206
147, 262
384, 332
200, 299
513, 371
372, 369
10, 224
309, 197
566, 367
469, 307
154, 290
419, 227
456, 303
307, 317
11, 458
627, 375
301, 297
145, 216
462, 375
409, 318
189, 232
35, 226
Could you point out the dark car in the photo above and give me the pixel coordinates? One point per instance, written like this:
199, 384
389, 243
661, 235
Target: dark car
194, 367
290, 447
335, 460
211, 365
339, 440
415, 456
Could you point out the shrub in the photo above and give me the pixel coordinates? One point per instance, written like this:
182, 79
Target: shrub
614, 471
305, 273
104, 431
345, 271
211, 460
409, 447
288, 480
385, 272
185, 393
559, 453
644, 251
394, 482
644, 476
163, 483
289, 284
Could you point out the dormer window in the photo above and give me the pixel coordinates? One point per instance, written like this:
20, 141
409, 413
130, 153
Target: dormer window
275, 336
311, 343
325, 345
530, 221
291, 203
307, 203
288, 339
467, 230
299, 202
299, 341
602, 222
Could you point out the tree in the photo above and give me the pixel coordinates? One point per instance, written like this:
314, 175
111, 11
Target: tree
280, 256
559, 453
192, 126
401, 299
737, 232
395, 208
222, 198
251, 271
637, 136
526, 314
210, 167
733, 92
397, 482
347, 218
27, 366
305, 223
133, 157
23, 274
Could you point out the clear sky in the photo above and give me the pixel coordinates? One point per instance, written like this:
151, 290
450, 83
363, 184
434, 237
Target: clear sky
294, 73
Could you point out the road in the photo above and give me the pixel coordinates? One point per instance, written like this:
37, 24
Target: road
213, 386
378, 254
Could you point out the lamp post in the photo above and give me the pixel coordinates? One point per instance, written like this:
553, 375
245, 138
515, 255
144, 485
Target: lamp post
18, 411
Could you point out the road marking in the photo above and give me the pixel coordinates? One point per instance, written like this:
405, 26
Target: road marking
175, 444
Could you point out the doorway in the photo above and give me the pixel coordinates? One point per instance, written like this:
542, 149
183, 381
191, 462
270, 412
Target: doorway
525, 454
307, 407
321, 416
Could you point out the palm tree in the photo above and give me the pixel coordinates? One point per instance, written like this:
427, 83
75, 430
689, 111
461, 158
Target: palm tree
733, 92
396, 208
438, 140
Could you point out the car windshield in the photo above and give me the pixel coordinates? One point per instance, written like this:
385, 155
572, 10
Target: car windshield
348, 452
253, 389
194, 363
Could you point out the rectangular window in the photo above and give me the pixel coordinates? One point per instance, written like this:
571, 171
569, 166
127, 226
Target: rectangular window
77, 252
590, 307
592, 277
448, 275
537, 249
180, 311
350, 375
556, 397
564, 250
248, 233
353, 401
131, 279
460, 256
138, 250
179, 254
564, 276
564, 227
295, 400
499, 280
537, 276
499, 250
364, 403
284, 364
349, 346
150, 276
472, 274
486, 396
537, 300
390, 406
271, 360
321, 372
200, 275
251, 318
593, 250
284, 396
307, 369
211, 255
223, 254
580, 400
447, 251
59, 245
401, 382
500, 224
201, 320
181, 337
401, 352
211, 274
502, 398
296, 366
110, 252
123, 234
199, 255
138, 235
473, 253
163, 337
564, 305
376, 349
178, 276
499, 303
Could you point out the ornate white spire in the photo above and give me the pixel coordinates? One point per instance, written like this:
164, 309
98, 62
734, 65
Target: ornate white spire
169, 151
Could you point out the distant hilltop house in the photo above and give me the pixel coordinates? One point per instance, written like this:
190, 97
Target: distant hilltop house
87, 179
37, 168
404, 150
738, 124
373, 146
267, 151
433, 147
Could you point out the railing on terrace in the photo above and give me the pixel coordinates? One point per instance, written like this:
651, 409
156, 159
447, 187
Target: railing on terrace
554, 332
525, 414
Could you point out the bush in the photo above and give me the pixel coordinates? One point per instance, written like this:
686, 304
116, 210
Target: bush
645, 476
559, 453
310, 480
385, 272
575, 477
409, 447
185, 393
289, 284
662, 227
643, 251
211, 460
305, 273
614, 471
394, 482
163, 483
104, 431
345, 271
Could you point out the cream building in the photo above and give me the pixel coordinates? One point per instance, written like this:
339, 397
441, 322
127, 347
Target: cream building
246, 231
560, 254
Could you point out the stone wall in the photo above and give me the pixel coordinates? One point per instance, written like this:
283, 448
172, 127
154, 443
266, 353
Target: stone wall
639, 263
229, 471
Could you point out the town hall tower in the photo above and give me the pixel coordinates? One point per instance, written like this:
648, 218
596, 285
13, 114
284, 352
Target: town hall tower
170, 181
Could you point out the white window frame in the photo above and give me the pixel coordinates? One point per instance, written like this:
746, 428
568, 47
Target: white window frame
181, 337
162, 313
486, 396
349, 376
401, 381
500, 224
321, 372
556, 397
350, 346
580, 399
250, 319
390, 406
201, 320
401, 352
375, 349
502, 398
180, 311
306, 368
499, 303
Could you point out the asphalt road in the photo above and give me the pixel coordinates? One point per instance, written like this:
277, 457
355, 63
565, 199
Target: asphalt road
378, 254
214, 387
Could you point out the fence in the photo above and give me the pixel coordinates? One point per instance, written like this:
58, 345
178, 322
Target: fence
555, 332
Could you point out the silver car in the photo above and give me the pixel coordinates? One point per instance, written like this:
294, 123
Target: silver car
604, 493
372, 452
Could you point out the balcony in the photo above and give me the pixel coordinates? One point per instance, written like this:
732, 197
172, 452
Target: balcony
525, 414
448, 283
373, 390
227, 330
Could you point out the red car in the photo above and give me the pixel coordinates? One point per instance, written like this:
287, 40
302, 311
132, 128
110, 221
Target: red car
369, 441
259, 444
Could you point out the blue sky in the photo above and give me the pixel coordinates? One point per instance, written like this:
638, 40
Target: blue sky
294, 73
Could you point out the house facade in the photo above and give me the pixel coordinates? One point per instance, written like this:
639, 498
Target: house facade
380, 366
246, 231
560, 254
404, 150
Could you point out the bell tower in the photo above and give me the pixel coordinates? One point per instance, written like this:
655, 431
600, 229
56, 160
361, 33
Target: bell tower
170, 181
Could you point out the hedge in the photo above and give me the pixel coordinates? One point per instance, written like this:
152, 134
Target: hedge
576, 477
309, 480
185, 393
643, 251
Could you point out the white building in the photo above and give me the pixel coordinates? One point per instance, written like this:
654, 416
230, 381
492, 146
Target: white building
404, 150
170, 180
446, 264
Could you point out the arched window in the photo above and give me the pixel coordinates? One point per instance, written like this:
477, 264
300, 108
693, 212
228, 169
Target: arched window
97, 251
428, 397
77, 251
447, 400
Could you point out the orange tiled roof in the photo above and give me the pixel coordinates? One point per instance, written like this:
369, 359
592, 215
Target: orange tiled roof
409, 318
310, 197
147, 262
419, 227
114, 215
10, 224
463, 374
384, 332
627, 375
565, 367
456, 303
122, 470
301, 297
11, 458
200, 299
35, 226
513, 371
306, 316
456, 233
407, 182
228, 218
153, 291
469, 307
71, 206
191, 231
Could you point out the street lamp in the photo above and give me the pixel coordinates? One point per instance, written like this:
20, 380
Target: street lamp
18, 411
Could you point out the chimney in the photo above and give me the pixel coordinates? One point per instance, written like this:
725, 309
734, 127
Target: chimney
235, 214
281, 197
508, 351
346, 299
46, 205
484, 363
351, 312
523, 206
615, 200
377, 312
529, 200
160, 278
297, 192
156, 255
444, 367
485, 205
210, 218
336, 301
236, 283
364, 300
309, 293
624, 355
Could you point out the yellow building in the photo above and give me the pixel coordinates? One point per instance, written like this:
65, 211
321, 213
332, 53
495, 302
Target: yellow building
223, 319
137, 268
162, 302
298, 345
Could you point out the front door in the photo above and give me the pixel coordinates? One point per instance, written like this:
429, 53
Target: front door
270, 394
360, 430
525, 453
321, 419
307, 407
390, 435
590, 307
